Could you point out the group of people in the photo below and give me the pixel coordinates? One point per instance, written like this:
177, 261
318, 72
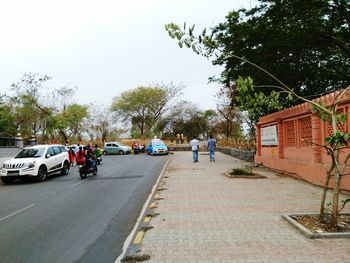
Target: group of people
211, 146
81, 154
179, 138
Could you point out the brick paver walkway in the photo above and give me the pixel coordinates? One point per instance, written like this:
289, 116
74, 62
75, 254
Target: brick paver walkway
207, 217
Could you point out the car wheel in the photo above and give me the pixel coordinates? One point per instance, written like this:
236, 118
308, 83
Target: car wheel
6, 180
42, 173
121, 152
65, 168
104, 153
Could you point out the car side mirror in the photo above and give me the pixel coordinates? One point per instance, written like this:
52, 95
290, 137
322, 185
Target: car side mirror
48, 155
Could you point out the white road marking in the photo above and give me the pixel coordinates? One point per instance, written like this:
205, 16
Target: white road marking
18, 211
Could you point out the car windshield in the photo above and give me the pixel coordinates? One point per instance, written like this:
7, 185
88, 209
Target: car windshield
30, 153
158, 143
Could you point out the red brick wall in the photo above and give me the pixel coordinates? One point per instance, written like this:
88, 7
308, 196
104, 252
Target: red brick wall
296, 126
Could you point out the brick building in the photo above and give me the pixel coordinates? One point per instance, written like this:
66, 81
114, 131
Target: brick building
280, 143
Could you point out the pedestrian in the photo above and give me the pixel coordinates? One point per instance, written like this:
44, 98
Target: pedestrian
77, 149
211, 148
182, 138
195, 148
177, 138
71, 156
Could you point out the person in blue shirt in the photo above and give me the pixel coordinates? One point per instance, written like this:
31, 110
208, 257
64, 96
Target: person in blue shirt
211, 148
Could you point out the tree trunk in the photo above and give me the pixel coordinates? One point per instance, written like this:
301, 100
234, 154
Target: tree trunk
325, 189
335, 207
335, 162
142, 128
63, 135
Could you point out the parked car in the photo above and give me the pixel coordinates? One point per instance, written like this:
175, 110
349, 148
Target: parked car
115, 148
157, 146
36, 162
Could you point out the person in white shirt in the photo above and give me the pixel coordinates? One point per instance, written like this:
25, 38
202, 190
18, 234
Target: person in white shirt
195, 148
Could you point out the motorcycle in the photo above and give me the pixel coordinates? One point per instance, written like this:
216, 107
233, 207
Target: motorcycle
135, 149
142, 148
98, 160
85, 169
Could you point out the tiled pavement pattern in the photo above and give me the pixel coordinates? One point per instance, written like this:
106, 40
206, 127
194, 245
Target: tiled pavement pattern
206, 217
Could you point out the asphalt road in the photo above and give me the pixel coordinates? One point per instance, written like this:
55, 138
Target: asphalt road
66, 219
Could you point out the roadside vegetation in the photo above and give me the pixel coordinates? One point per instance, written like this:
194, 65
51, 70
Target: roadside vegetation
34, 110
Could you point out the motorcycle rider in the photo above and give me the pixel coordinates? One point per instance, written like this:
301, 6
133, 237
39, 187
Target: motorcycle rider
97, 151
90, 158
80, 156
135, 147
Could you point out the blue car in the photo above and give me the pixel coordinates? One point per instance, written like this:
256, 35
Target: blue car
157, 147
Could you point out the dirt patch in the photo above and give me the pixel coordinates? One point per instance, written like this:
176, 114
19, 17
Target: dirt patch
313, 223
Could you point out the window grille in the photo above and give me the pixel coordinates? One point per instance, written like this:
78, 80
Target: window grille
305, 131
290, 134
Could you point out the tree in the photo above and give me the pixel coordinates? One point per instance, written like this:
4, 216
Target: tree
62, 96
231, 117
7, 119
144, 105
70, 121
186, 118
26, 104
212, 120
230, 124
100, 124
304, 43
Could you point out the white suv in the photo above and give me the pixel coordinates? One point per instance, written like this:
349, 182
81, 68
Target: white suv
36, 161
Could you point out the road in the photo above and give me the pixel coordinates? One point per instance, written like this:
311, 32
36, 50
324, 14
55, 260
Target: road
66, 219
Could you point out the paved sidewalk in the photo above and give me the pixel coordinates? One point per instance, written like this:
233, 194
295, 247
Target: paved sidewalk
207, 217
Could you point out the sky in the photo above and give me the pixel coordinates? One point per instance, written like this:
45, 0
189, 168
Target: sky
106, 47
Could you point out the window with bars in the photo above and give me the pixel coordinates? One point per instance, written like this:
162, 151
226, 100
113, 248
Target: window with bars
290, 134
305, 131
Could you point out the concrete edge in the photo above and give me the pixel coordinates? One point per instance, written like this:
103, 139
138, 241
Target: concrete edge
129, 248
307, 233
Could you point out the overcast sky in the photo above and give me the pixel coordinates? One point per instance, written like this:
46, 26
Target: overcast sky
106, 47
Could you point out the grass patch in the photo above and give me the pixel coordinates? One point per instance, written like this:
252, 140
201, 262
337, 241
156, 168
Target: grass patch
241, 171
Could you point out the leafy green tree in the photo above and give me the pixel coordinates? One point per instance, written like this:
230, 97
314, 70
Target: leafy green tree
304, 43
7, 119
27, 107
212, 119
144, 106
187, 119
70, 121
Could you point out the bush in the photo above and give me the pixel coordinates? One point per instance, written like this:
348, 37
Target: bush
241, 171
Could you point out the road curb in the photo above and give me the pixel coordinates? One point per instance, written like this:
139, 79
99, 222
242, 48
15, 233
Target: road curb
133, 241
